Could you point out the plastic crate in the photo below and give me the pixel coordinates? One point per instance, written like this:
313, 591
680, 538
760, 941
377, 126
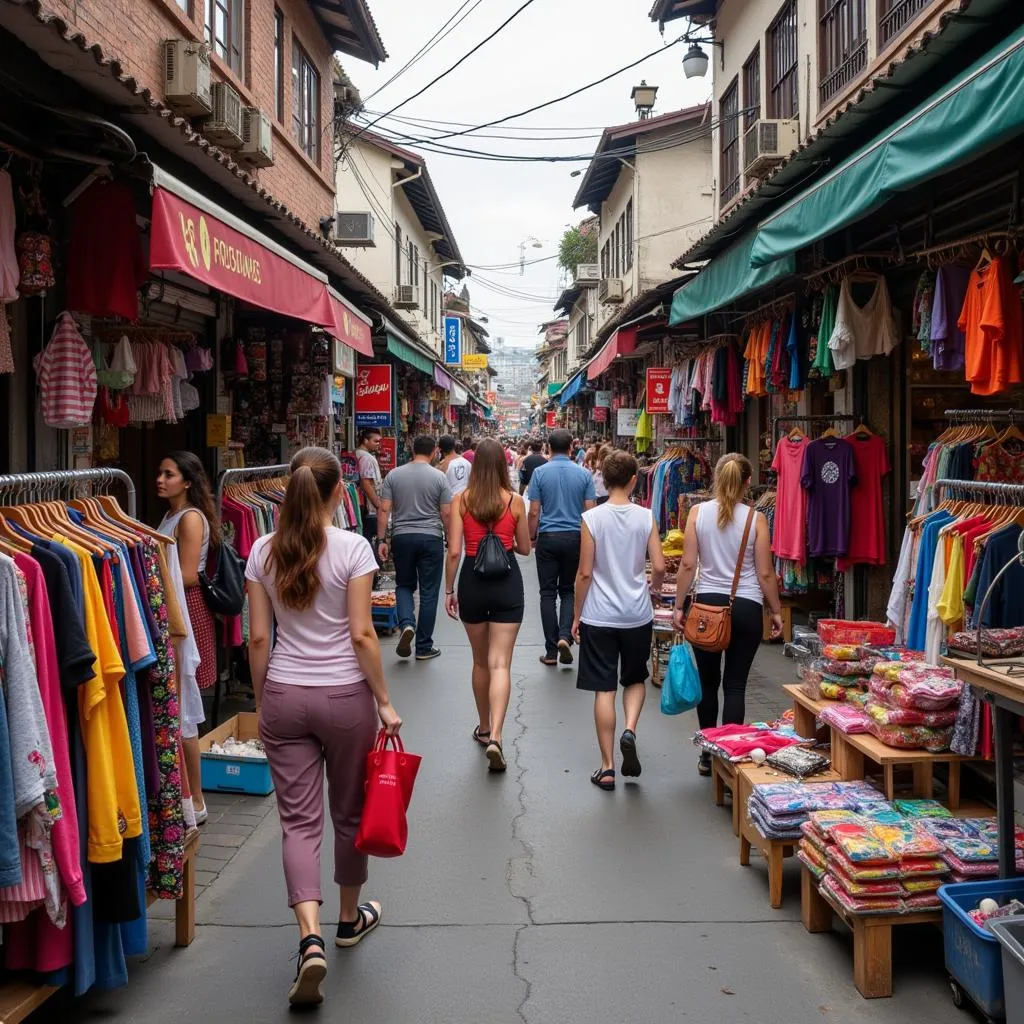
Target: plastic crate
844, 631
224, 774
973, 954
1010, 934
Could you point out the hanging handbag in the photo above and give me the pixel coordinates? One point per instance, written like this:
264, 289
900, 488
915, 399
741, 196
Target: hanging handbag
224, 591
708, 627
492, 559
390, 776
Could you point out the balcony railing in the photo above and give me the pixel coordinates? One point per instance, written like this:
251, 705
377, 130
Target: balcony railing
838, 78
895, 16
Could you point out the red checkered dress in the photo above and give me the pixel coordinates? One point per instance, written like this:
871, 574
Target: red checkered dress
203, 630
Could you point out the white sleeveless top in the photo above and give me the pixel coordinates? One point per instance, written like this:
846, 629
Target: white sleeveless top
169, 525
717, 551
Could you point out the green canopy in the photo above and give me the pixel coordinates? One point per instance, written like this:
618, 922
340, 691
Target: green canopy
727, 277
977, 111
400, 350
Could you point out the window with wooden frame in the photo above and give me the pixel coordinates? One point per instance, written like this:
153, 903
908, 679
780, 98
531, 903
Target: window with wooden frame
605, 261
783, 62
618, 248
729, 133
843, 43
629, 234
225, 27
305, 103
278, 65
752, 89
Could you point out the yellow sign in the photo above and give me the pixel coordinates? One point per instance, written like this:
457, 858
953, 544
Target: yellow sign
474, 362
218, 430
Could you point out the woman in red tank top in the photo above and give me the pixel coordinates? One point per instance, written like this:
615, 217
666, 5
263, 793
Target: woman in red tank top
491, 609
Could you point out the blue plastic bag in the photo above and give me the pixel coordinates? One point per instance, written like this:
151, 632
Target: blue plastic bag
681, 689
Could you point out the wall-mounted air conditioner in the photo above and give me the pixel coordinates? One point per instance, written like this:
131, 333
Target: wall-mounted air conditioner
769, 142
224, 125
407, 296
588, 274
610, 290
187, 76
257, 137
354, 228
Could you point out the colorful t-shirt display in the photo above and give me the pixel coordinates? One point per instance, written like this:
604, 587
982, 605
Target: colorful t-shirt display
867, 521
828, 475
789, 537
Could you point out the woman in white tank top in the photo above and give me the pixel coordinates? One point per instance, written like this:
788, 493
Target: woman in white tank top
714, 532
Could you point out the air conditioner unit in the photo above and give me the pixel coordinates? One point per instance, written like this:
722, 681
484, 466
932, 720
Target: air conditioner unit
610, 290
354, 228
225, 122
588, 273
257, 137
187, 76
769, 142
406, 296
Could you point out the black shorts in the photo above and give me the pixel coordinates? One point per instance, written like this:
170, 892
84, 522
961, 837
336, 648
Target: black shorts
601, 650
490, 600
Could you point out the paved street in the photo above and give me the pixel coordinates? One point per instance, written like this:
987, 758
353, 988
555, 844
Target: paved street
530, 897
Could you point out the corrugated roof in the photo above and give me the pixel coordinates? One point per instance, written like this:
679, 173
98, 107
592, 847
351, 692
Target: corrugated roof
944, 51
603, 171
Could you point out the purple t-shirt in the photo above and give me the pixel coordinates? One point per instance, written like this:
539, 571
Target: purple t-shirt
827, 475
946, 338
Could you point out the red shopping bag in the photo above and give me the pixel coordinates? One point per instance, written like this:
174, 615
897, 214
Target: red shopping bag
390, 775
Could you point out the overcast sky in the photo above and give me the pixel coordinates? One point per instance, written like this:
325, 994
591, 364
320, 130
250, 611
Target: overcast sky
553, 47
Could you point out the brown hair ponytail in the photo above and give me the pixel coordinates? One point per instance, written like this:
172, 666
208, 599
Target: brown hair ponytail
299, 539
731, 475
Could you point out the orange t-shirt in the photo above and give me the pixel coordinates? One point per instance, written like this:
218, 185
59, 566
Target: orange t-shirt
992, 324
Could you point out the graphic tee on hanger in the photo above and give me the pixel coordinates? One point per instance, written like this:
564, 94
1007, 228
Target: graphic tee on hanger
828, 475
789, 539
867, 521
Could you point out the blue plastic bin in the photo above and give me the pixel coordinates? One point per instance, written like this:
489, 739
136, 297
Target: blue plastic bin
974, 955
224, 774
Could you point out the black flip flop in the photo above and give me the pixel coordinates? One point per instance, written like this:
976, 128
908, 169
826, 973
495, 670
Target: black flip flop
483, 738
604, 779
630, 762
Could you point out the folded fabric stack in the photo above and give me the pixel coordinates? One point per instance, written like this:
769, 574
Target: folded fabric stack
972, 846
847, 717
912, 705
779, 809
876, 860
798, 761
735, 742
840, 669
995, 643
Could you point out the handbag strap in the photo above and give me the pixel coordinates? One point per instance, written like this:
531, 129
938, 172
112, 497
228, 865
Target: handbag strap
739, 559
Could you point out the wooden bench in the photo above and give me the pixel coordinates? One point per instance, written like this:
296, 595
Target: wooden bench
20, 998
805, 711
774, 851
723, 777
872, 934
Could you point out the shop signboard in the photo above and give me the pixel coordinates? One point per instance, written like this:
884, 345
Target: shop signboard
602, 399
625, 422
373, 395
387, 454
551, 421
453, 341
600, 414
218, 430
659, 384
343, 359
474, 361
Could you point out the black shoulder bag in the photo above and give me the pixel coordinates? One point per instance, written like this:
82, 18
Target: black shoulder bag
492, 559
224, 591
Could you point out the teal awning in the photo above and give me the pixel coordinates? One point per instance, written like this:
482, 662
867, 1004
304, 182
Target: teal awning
978, 110
400, 350
727, 277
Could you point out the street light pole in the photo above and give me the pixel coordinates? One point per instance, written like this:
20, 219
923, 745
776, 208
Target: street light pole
534, 243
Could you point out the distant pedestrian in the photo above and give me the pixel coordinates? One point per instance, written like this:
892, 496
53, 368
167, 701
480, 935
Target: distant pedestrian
600, 490
369, 480
559, 493
579, 452
446, 452
491, 609
530, 465
715, 531
458, 471
614, 619
468, 444
320, 691
416, 498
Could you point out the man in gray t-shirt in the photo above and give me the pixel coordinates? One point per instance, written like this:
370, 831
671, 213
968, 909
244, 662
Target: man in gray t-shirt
417, 499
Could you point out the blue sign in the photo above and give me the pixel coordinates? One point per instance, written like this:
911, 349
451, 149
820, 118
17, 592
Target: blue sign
453, 341
373, 419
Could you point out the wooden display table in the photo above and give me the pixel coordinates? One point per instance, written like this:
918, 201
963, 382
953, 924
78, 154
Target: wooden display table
20, 998
774, 851
661, 641
723, 777
872, 935
805, 710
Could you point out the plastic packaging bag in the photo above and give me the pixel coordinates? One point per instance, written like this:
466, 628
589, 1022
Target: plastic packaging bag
681, 689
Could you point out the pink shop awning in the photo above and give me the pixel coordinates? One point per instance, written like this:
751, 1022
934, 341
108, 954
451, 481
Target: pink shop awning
621, 343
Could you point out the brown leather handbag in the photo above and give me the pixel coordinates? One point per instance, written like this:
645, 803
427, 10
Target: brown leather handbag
708, 627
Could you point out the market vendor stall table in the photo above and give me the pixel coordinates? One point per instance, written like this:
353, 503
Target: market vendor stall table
872, 934
661, 643
805, 710
723, 777
1006, 695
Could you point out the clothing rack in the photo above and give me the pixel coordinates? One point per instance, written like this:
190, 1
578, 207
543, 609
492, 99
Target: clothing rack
248, 473
51, 483
981, 488
982, 415
824, 418
700, 439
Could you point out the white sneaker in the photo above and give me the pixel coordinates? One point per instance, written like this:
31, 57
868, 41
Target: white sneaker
404, 648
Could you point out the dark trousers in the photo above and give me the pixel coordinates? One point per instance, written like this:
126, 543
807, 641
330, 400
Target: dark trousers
419, 558
558, 558
739, 656
370, 532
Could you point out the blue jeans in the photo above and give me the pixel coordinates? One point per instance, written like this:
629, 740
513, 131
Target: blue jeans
418, 557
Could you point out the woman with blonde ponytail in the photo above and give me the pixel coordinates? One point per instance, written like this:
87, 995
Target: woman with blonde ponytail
715, 532
319, 694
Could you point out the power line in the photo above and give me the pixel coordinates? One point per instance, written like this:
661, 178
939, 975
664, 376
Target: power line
430, 121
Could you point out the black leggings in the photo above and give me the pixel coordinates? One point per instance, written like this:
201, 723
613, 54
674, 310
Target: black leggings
739, 656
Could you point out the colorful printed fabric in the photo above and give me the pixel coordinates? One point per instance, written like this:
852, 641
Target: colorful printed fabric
791, 797
927, 691
845, 717
858, 698
927, 809
995, 643
838, 667
868, 842
842, 652
860, 890
912, 737
832, 691
886, 715
879, 872
859, 905
817, 872
735, 742
798, 761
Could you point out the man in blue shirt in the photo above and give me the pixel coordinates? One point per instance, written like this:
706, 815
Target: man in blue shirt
560, 492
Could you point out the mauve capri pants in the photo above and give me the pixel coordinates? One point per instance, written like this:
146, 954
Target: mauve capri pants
306, 729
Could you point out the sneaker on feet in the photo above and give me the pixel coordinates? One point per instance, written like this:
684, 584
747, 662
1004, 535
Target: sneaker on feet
404, 648
434, 652
202, 816
564, 652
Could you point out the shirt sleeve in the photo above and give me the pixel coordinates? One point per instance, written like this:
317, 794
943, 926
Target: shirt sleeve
363, 562
806, 472
386, 491
446, 491
534, 491
591, 493
254, 563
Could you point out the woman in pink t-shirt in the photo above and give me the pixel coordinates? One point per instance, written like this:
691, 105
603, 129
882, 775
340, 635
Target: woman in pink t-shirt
319, 693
